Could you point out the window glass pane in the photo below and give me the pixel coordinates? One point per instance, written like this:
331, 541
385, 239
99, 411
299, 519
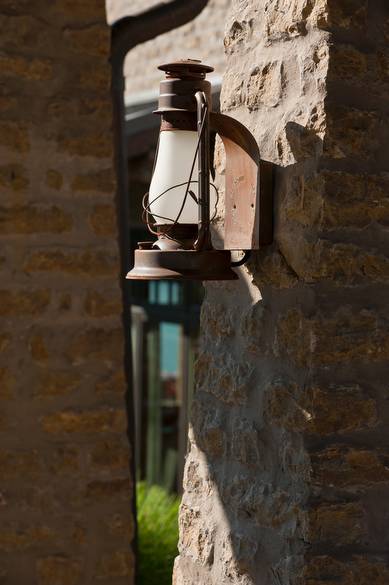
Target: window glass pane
169, 355
169, 347
175, 293
152, 292
163, 292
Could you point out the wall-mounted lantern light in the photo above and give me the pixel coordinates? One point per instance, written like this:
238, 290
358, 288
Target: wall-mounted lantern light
181, 201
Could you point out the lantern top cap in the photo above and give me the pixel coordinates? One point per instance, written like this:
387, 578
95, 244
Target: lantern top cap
186, 69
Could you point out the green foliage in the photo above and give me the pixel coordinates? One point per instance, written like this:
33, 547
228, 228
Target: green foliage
157, 534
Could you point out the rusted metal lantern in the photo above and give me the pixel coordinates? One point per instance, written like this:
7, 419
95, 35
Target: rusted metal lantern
181, 201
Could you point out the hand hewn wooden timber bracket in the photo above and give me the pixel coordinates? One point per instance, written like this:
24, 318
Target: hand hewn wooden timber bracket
248, 187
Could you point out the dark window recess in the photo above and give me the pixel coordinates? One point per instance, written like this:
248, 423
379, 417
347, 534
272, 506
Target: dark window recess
165, 319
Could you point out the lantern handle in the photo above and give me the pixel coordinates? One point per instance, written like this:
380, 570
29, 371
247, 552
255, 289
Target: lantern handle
203, 241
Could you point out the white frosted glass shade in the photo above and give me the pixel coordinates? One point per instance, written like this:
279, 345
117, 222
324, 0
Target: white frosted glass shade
174, 161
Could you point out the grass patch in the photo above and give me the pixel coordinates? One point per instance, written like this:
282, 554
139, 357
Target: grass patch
157, 534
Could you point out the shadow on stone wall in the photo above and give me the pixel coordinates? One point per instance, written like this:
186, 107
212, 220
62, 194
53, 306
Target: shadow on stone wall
243, 509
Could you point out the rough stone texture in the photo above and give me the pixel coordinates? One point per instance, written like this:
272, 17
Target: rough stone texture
286, 481
202, 38
65, 491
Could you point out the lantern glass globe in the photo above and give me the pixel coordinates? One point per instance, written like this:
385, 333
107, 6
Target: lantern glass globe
175, 156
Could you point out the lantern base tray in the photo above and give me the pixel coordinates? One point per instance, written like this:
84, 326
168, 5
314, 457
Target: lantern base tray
182, 265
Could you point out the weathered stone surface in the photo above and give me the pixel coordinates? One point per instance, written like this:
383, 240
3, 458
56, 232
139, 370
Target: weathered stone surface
100, 490
338, 524
30, 69
311, 409
97, 305
23, 537
57, 382
92, 41
103, 220
7, 382
38, 348
93, 80
96, 343
96, 421
54, 179
14, 177
239, 33
285, 20
354, 410
354, 200
348, 63
88, 111
342, 263
359, 569
97, 145
350, 468
85, 263
66, 460
5, 339
348, 15
101, 181
110, 455
265, 86
24, 302
117, 564
228, 380
245, 443
119, 525
212, 438
340, 337
26, 219
72, 10
14, 137
115, 382
273, 270
351, 132
58, 570
19, 464
63, 424
286, 478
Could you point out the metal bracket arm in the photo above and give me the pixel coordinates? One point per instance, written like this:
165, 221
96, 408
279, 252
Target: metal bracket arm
203, 241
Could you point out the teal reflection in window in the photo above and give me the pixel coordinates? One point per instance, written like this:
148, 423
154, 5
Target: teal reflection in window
164, 293
169, 344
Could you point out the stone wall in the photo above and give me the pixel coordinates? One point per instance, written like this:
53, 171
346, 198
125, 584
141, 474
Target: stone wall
286, 480
64, 457
202, 38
